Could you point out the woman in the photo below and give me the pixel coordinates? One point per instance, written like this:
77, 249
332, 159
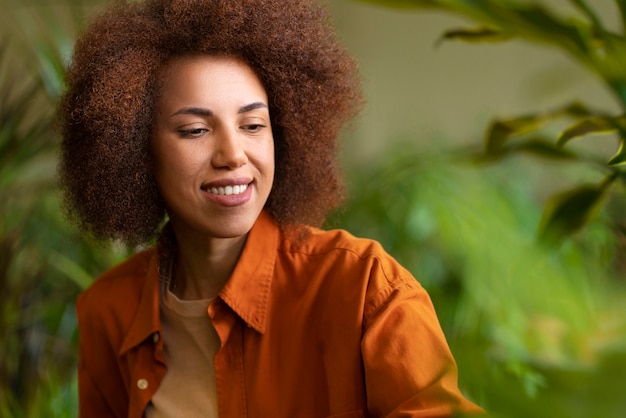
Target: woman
220, 118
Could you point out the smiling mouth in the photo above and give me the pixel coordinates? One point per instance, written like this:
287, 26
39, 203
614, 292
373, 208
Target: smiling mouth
227, 190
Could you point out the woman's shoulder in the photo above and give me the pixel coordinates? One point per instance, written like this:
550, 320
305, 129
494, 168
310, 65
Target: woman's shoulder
125, 273
319, 241
348, 252
121, 285
338, 260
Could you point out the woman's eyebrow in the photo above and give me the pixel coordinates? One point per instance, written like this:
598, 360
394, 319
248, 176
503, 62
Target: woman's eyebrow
199, 111
252, 106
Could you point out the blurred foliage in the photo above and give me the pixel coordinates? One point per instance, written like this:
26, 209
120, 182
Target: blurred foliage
581, 33
43, 262
537, 330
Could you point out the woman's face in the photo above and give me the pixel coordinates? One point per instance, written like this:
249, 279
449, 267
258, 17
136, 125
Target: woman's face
213, 146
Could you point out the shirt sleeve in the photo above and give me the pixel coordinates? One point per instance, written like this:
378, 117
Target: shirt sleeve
409, 369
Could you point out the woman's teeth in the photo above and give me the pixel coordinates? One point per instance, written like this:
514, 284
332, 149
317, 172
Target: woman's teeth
228, 190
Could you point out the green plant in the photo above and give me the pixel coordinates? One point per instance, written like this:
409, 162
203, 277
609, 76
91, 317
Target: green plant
537, 331
582, 35
43, 265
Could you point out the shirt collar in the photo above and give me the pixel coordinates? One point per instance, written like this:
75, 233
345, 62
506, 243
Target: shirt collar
146, 321
247, 292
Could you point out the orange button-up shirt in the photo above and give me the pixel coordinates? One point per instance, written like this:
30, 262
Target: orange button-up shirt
326, 326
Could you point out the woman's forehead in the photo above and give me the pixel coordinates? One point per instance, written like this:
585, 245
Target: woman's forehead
209, 81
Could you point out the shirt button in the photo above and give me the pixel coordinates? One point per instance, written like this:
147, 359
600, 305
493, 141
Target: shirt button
155, 337
142, 384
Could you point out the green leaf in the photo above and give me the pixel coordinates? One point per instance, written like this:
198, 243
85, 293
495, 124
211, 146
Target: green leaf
620, 157
501, 130
587, 41
543, 148
480, 34
575, 109
51, 69
71, 269
537, 146
539, 25
587, 126
568, 212
407, 4
588, 11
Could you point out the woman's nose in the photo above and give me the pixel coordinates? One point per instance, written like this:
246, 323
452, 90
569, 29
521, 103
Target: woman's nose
229, 151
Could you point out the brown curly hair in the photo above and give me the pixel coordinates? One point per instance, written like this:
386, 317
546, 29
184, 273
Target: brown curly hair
106, 113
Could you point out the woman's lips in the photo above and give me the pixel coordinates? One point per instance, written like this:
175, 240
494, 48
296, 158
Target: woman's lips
229, 192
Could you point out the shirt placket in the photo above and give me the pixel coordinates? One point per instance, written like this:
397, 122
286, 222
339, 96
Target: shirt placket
229, 370
149, 369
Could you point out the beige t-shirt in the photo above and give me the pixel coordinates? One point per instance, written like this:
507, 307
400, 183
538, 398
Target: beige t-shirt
190, 341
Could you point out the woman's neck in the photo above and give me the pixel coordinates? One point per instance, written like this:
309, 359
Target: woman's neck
203, 266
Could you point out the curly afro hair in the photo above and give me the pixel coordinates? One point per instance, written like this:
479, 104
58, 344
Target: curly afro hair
106, 113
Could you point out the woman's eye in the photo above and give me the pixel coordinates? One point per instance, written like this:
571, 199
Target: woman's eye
253, 127
191, 133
